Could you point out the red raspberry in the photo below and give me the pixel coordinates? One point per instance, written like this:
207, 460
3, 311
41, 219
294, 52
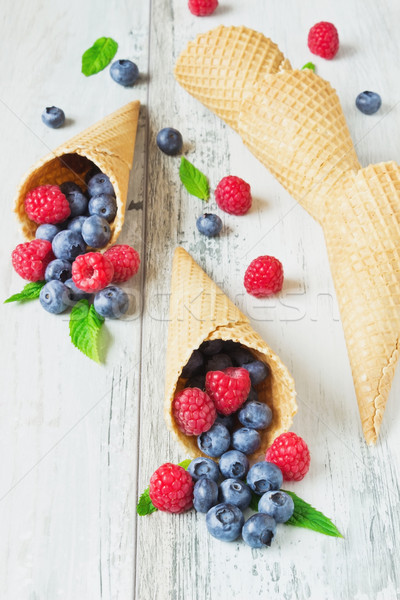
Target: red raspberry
233, 195
125, 261
202, 8
171, 488
290, 453
228, 389
194, 411
323, 40
264, 276
47, 204
92, 272
31, 259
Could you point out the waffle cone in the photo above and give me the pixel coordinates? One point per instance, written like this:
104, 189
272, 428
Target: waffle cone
200, 311
109, 144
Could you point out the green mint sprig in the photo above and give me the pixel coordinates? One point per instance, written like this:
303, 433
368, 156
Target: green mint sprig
309, 517
84, 329
30, 292
98, 56
309, 65
194, 180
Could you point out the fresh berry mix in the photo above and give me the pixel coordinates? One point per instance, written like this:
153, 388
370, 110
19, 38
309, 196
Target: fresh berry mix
202, 8
55, 297
263, 477
215, 441
205, 495
323, 40
76, 224
104, 205
74, 292
264, 276
194, 411
236, 492
194, 365
171, 489
58, 269
96, 231
124, 72
77, 200
228, 389
291, 454
209, 224
276, 504
368, 102
100, 184
234, 464
225, 521
53, 117
31, 259
170, 141
125, 261
47, 204
204, 467
68, 245
259, 530
255, 415
246, 440
47, 232
112, 302
218, 362
233, 195
92, 272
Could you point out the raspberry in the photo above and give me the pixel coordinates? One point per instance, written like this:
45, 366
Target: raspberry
31, 259
290, 453
233, 195
47, 204
228, 389
202, 8
171, 489
323, 40
264, 276
194, 411
125, 261
92, 272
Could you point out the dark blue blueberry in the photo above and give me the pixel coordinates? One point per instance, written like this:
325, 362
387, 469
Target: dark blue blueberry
104, 205
209, 224
59, 269
203, 467
197, 381
277, 505
234, 464
169, 141
218, 362
205, 495
124, 72
69, 186
259, 530
194, 365
368, 102
241, 356
76, 224
263, 477
53, 117
54, 297
211, 347
100, 184
235, 492
96, 232
224, 522
112, 302
246, 440
229, 346
75, 293
77, 200
253, 395
215, 441
68, 245
47, 232
227, 420
258, 371
256, 415
91, 173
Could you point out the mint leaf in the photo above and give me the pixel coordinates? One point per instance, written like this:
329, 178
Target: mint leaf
194, 180
254, 502
309, 517
30, 292
185, 463
84, 329
100, 55
145, 506
309, 65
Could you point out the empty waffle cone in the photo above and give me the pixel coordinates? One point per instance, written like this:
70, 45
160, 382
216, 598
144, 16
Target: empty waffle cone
109, 144
200, 311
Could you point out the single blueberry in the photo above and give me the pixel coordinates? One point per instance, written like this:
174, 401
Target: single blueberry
100, 184
209, 224
91, 173
197, 381
75, 293
234, 464
211, 347
227, 420
218, 362
104, 205
112, 302
76, 224
263, 477
124, 72
47, 232
68, 245
203, 467
69, 186
215, 441
258, 371
368, 102
53, 117
259, 530
235, 492
194, 364
55, 297
224, 522
256, 415
246, 440
59, 269
96, 231
170, 141
205, 494
241, 356
77, 200
277, 505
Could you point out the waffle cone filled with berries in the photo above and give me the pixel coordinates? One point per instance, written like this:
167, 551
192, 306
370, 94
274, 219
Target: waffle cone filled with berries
292, 121
108, 144
200, 311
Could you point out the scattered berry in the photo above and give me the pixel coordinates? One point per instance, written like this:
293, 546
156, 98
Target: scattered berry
258, 371
234, 464
291, 454
203, 467
235, 492
112, 302
53, 117
96, 231
368, 102
68, 245
233, 195
263, 477
47, 232
75, 293
224, 522
100, 184
124, 72
104, 205
205, 495
209, 224
228, 389
255, 415
55, 297
323, 40
92, 272
125, 261
264, 276
215, 441
211, 347
77, 200
58, 269
171, 489
202, 8
47, 204
194, 365
170, 141
194, 411
31, 259
277, 505
76, 224
246, 440
259, 530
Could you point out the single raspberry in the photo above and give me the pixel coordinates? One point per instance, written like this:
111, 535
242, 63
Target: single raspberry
228, 389
202, 8
171, 488
92, 272
264, 276
194, 411
323, 40
31, 259
233, 195
125, 261
290, 453
47, 204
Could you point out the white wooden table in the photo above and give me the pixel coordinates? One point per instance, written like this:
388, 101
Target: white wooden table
79, 441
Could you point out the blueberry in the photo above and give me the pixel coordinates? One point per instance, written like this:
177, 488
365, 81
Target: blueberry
55, 297
229, 346
75, 293
124, 72
69, 186
205, 495
211, 347
100, 184
218, 362
112, 302
53, 117
194, 365
263, 477
246, 440
77, 200
276, 504
227, 420
253, 395
59, 269
76, 224
368, 102
91, 173
256, 415
104, 205
96, 231
241, 356
258, 371
259, 530
47, 232
235, 492
68, 245
215, 441
209, 224
234, 464
169, 141
203, 467
224, 522
197, 381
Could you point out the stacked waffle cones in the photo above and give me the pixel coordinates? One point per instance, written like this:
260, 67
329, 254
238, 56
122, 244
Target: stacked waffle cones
293, 122
109, 144
200, 311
